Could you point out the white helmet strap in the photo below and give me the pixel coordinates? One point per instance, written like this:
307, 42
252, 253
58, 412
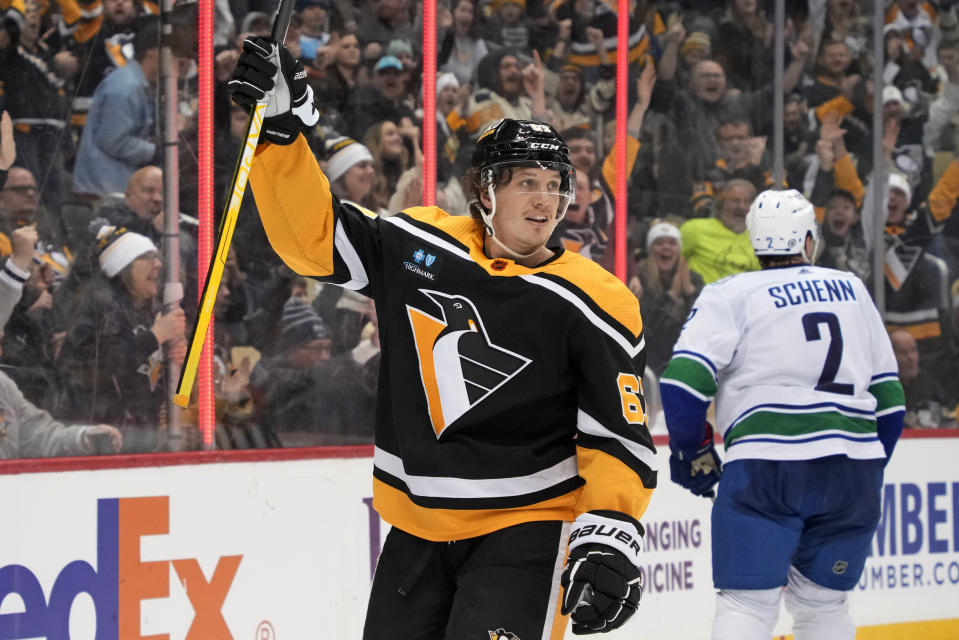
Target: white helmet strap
815, 249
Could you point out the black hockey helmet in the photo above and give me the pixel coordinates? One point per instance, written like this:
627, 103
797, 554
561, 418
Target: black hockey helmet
508, 141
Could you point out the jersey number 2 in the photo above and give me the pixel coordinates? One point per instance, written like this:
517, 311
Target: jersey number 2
827, 380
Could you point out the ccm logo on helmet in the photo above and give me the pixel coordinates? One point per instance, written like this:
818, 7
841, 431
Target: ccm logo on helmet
549, 146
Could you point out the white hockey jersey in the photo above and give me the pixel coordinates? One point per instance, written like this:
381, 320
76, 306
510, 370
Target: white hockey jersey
798, 361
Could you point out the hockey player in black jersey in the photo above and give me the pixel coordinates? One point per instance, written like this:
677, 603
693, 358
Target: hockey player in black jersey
511, 422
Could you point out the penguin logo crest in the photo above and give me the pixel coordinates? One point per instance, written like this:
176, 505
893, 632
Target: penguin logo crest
459, 364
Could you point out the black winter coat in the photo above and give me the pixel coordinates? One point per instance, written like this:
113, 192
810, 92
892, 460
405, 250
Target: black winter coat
111, 369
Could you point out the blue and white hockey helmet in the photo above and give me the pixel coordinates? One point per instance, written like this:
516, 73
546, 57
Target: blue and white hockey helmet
778, 222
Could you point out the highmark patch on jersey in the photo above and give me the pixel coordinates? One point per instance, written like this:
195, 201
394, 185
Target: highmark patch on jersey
422, 261
459, 364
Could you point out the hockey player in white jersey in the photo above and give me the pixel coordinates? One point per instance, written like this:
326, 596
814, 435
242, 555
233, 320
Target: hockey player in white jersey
809, 405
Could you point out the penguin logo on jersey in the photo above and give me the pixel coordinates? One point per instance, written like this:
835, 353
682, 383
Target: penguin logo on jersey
459, 364
502, 634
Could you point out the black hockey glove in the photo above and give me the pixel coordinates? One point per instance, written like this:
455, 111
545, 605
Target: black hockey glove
266, 71
698, 468
601, 582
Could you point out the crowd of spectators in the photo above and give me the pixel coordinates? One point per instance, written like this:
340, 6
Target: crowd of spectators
81, 206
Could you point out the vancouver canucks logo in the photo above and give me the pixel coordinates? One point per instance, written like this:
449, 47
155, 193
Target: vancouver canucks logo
459, 365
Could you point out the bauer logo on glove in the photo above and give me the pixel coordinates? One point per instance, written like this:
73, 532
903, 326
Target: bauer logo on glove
267, 72
602, 583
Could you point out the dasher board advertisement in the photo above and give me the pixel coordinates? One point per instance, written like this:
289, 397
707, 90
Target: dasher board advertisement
285, 550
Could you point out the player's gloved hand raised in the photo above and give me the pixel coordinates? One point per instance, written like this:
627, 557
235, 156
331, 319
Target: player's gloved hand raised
267, 71
601, 582
696, 468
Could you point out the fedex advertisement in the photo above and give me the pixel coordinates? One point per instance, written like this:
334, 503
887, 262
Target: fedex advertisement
119, 581
205, 552
280, 549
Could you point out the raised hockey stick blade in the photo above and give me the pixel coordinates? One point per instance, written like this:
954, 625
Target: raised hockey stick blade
281, 22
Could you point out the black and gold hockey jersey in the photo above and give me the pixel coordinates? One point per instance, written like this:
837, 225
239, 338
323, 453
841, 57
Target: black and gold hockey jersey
506, 394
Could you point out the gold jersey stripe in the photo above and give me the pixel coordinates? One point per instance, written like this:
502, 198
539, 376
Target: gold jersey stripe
442, 525
602, 471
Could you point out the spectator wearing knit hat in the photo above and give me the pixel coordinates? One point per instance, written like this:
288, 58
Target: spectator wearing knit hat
669, 289
349, 168
304, 337
696, 47
402, 50
410, 71
111, 360
922, 225
288, 387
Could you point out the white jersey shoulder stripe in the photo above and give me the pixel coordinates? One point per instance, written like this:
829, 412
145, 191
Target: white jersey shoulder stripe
447, 487
358, 276
856, 449
884, 377
428, 237
589, 425
631, 349
685, 387
890, 410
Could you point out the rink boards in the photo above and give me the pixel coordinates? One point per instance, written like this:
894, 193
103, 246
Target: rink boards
281, 546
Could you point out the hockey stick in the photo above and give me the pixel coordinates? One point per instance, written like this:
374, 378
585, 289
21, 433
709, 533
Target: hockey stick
281, 22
